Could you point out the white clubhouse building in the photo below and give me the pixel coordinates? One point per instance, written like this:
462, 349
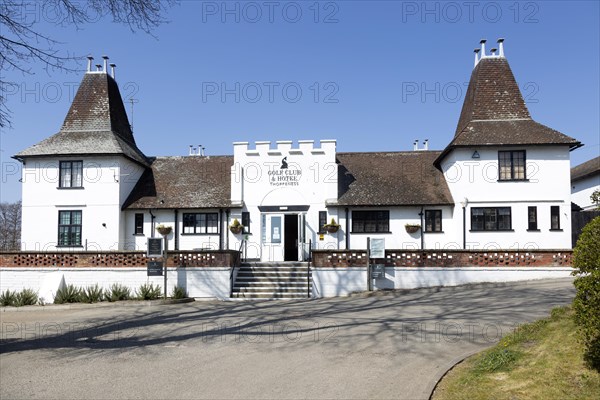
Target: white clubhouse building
502, 182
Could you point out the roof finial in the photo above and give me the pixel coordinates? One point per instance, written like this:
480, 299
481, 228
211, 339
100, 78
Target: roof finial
476, 51
482, 41
89, 67
105, 63
112, 70
501, 46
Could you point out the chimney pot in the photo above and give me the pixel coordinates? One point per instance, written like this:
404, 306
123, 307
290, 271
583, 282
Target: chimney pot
493, 51
476, 57
112, 70
105, 63
98, 67
482, 42
89, 66
501, 47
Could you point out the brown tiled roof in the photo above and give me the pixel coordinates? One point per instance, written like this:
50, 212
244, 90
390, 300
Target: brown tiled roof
391, 178
495, 114
95, 124
184, 182
588, 168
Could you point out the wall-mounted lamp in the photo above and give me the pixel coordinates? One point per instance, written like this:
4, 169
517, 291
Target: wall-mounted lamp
475, 154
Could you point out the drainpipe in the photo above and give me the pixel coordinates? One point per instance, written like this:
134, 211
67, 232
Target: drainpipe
220, 229
421, 214
464, 204
176, 212
152, 216
227, 233
347, 230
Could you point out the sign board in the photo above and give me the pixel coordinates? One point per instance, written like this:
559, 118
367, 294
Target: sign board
378, 271
377, 248
154, 247
155, 268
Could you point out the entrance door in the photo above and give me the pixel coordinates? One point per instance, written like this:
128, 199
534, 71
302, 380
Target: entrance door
291, 237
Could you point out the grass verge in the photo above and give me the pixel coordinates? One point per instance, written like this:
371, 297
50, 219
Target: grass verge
541, 360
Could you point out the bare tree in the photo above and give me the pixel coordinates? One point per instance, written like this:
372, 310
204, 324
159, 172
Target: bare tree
22, 45
10, 226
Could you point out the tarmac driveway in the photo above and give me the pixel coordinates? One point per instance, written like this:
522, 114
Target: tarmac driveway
389, 345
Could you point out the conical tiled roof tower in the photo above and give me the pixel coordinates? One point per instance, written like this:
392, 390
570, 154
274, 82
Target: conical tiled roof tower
96, 123
494, 112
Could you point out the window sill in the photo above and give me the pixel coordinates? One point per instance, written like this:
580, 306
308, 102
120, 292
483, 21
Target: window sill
496, 230
434, 231
70, 188
556, 230
533, 230
513, 180
370, 233
138, 234
70, 246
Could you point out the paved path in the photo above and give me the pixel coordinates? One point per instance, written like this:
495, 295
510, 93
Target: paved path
390, 345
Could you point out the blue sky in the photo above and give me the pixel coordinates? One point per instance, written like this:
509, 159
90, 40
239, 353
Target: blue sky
375, 75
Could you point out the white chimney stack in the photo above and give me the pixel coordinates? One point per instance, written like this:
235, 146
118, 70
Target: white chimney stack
501, 46
98, 67
89, 67
416, 145
112, 70
105, 63
482, 42
426, 144
191, 150
493, 52
476, 58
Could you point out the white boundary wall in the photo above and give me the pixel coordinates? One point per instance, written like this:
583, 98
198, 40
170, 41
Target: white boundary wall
214, 282
330, 282
206, 282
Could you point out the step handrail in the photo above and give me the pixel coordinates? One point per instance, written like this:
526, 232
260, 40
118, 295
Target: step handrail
238, 260
308, 268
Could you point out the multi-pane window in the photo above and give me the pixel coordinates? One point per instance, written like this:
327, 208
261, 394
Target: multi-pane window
71, 174
246, 221
322, 221
511, 165
554, 217
433, 220
69, 228
532, 218
139, 224
370, 221
201, 223
490, 219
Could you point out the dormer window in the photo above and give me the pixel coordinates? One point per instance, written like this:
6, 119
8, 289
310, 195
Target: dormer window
511, 165
71, 174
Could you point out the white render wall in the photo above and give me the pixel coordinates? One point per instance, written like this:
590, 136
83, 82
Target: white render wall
214, 282
330, 282
582, 189
106, 182
548, 184
206, 282
167, 217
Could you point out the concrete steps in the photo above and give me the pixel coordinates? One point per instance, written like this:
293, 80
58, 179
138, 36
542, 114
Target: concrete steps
287, 280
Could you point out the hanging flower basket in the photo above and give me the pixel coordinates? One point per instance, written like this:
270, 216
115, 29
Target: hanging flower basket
236, 228
412, 228
332, 227
164, 230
